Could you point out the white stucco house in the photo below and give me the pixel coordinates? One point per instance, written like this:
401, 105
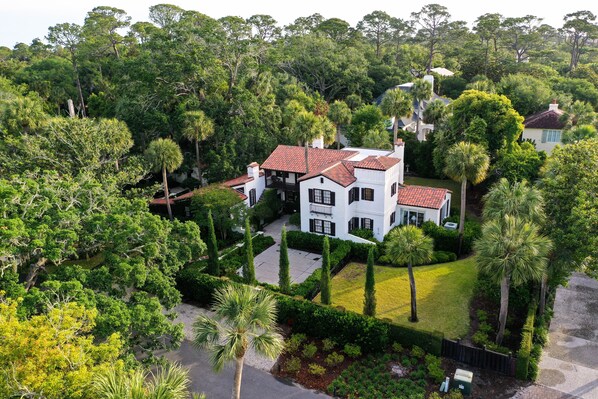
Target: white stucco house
343, 190
545, 128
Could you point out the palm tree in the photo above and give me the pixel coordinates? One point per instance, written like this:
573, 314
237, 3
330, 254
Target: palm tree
164, 155
421, 90
395, 104
171, 382
197, 127
245, 318
340, 114
306, 127
408, 245
511, 251
522, 201
466, 162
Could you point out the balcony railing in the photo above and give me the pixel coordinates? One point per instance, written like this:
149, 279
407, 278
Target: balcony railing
321, 209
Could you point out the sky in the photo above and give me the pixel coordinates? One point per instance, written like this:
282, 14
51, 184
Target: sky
24, 20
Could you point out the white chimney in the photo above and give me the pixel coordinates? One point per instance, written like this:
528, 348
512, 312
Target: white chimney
554, 106
429, 78
253, 170
399, 149
318, 143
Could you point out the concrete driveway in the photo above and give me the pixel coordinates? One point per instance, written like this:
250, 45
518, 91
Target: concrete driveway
570, 361
302, 264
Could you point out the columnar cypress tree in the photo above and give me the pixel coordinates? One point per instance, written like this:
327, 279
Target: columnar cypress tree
248, 267
284, 274
325, 279
369, 303
213, 263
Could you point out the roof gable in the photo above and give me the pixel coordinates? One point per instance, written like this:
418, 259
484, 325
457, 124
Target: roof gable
288, 158
377, 163
549, 119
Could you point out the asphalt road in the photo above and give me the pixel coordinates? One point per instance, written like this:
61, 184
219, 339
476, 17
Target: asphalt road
257, 384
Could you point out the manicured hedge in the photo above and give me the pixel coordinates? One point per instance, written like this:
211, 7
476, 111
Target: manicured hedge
524, 353
313, 243
448, 240
319, 321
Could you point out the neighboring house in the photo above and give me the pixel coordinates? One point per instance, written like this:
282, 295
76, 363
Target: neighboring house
250, 186
347, 189
410, 123
545, 128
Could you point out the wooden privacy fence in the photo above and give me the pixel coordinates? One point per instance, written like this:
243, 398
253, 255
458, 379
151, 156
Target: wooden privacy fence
478, 357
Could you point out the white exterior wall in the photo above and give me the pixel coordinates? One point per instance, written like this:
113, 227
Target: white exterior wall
259, 184
338, 211
536, 136
433, 215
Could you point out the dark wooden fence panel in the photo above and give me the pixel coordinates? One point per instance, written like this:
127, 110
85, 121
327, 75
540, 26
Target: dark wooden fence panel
478, 357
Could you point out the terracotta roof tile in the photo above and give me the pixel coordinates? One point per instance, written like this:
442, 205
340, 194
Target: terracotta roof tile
237, 181
339, 172
420, 196
288, 158
162, 201
545, 120
377, 162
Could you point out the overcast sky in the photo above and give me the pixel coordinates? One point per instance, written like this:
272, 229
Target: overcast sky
24, 20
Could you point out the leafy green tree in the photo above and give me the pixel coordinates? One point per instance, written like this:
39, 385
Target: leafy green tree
170, 381
306, 128
52, 355
408, 245
365, 118
325, 288
421, 90
523, 162
435, 112
527, 94
487, 27
578, 133
466, 162
377, 139
568, 181
224, 204
579, 28
376, 27
22, 115
197, 127
340, 114
213, 261
433, 22
284, 273
249, 267
396, 104
369, 302
164, 155
522, 35
511, 251
101, 29
244, 319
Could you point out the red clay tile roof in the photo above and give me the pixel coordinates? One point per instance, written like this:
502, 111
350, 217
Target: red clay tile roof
545, 120
162, 201
377, 162
420, 196
339, 172
237, 181
288, 158
241, 195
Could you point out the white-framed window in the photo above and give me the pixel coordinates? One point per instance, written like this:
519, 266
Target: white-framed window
393, 218
367, 223
318, 196
551, 136
367, 194
393, 189
322, 227
413, 217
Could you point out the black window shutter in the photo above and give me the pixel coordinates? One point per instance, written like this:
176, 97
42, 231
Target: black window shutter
349, 226
311, 225
311, 195
363, 193
363, 223
333, 229
372, 194
356, 194
372, 224
332, 195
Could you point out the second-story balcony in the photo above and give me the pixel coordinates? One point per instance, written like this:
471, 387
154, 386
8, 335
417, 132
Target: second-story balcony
321, 209
280, 183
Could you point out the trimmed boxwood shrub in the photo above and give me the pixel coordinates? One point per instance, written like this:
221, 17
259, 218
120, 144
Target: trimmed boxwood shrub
448, 240
313, 243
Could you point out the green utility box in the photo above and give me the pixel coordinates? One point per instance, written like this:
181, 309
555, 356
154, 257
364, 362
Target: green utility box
462, 381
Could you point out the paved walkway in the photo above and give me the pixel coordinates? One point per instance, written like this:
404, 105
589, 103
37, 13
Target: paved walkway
570, 361
302, 264
257, 381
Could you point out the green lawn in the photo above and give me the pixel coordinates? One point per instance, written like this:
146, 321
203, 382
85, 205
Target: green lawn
443, 294
445, 183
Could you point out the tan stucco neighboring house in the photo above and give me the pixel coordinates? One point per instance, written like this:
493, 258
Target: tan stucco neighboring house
545, 128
